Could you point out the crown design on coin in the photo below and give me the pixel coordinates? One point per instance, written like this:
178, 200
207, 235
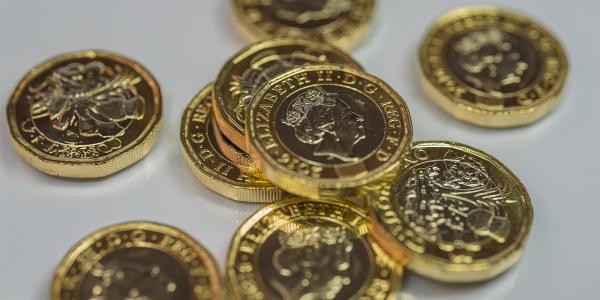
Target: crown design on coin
300, 106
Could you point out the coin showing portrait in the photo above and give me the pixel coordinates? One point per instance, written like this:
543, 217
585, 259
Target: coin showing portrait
262, 67
453, 203
493, 61
313, 260
330, 125
136, 274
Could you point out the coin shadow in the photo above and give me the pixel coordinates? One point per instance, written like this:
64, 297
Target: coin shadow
419, 287
82, 187
231, 209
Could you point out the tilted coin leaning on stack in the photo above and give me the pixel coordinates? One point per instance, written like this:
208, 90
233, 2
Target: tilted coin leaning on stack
296, 122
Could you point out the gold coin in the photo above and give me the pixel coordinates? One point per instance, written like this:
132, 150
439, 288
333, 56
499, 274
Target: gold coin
323, 129
250, 68
137, 260
492, 67
453, 213
296, 249
232, 152
85, 114
209, 165
343, 23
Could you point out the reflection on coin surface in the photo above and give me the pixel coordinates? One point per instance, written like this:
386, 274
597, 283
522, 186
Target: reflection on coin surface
453, 213
137, 260
492, 67
85, 114
246, 71
207, 162
338, 22
232, 152
296, 249
317, 129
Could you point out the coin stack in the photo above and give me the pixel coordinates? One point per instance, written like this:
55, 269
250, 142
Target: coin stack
356, 200
294, 121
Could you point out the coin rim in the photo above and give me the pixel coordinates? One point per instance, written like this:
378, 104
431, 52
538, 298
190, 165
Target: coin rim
440, 269
255, 192
312, 187
352, 38
91, 167
476, 115
216, 285
231, 274
222, 117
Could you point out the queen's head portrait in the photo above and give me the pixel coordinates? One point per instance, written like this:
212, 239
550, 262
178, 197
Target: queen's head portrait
492, 61
326, 121
312, 262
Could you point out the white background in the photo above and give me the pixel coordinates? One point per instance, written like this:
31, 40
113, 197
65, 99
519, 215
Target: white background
184, 44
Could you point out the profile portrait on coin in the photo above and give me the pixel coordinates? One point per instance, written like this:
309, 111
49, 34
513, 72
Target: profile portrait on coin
494, 61
313, 262
264, 66
136, 273
454, 204
86, 100
325, 120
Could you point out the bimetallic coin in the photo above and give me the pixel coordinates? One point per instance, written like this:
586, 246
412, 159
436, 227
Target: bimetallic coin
492, 67
323, 129
137, 260
209, 165
85, 114
253, 66
343, 23
453, 213
297, 249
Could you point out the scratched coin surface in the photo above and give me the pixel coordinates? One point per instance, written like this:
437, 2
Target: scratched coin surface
298, 249
246, 71
137, 260
492, 67
323, 129
85, 114
452, 213
343, 23
210, 165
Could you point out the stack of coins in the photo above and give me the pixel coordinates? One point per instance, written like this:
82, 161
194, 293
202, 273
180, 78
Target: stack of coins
294, 121
359, 199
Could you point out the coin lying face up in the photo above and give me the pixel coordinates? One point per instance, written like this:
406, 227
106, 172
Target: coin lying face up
247, 70
492, 67
297, 249
85, 114
322, 129
137, 260
343, 23
210, 165
453, 213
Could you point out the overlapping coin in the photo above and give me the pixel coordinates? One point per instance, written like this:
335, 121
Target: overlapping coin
343, 23
453, 213
323, 129
137, 260
210, 165
85, 114
299, 249
492, 67
249, 69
